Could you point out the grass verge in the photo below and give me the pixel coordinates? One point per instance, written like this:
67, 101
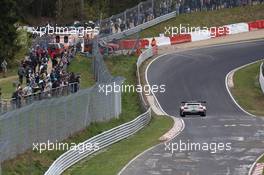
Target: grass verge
209, 19
247, 91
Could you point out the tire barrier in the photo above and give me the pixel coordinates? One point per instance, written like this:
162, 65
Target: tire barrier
180, 38
255, 25
237, 28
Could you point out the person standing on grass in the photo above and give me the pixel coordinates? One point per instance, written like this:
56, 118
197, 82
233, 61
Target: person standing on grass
21, 73
4, 68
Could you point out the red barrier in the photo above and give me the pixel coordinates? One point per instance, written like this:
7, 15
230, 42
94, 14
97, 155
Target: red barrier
259, 24
180, 38
129, 44
219, 31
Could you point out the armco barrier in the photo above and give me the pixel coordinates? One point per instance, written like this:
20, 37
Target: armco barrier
143, 57
139, 27
261, 77
181, 38
102, 140
259, 24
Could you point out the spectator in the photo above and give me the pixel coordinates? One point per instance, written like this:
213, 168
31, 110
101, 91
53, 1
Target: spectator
4, 68
153, 42
21, 73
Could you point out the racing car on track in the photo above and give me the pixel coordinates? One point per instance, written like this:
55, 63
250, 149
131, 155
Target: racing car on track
193, 108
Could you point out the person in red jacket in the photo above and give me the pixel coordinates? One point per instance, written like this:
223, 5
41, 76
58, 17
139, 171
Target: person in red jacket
153, 42
53, 58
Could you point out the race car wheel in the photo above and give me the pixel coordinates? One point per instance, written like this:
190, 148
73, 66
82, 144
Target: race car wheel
203, 114
182, 114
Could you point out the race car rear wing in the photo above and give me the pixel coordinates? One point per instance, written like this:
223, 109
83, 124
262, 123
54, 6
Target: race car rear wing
193, 101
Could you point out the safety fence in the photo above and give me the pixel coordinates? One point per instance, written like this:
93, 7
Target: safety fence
55, 119
102, 140
15, 103
139, 28
100, 71
261, 76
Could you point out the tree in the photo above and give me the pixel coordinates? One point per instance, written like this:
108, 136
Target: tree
8, 34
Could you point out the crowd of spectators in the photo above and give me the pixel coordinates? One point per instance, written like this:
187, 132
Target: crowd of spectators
147, 11
42, 80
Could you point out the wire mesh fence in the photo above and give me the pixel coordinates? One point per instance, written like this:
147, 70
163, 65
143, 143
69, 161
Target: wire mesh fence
55, 119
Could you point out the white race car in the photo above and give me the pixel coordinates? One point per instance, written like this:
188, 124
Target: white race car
193, 108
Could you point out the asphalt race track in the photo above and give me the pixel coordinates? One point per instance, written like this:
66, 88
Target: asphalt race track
200, 75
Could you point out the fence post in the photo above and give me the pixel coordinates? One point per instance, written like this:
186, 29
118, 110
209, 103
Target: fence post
125, 19
138, 13
152, 6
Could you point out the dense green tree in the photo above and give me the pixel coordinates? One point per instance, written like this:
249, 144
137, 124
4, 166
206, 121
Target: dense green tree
8, 34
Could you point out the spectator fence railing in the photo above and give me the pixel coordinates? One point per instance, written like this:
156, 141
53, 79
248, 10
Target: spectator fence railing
15, 103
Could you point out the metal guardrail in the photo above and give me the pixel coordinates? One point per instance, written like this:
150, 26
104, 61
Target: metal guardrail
139, 27
103, 140
143, 57
261, 76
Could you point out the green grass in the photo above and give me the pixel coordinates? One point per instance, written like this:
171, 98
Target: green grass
82, 65
261, 160
209, 19
110, 161
7, 87
247, 91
